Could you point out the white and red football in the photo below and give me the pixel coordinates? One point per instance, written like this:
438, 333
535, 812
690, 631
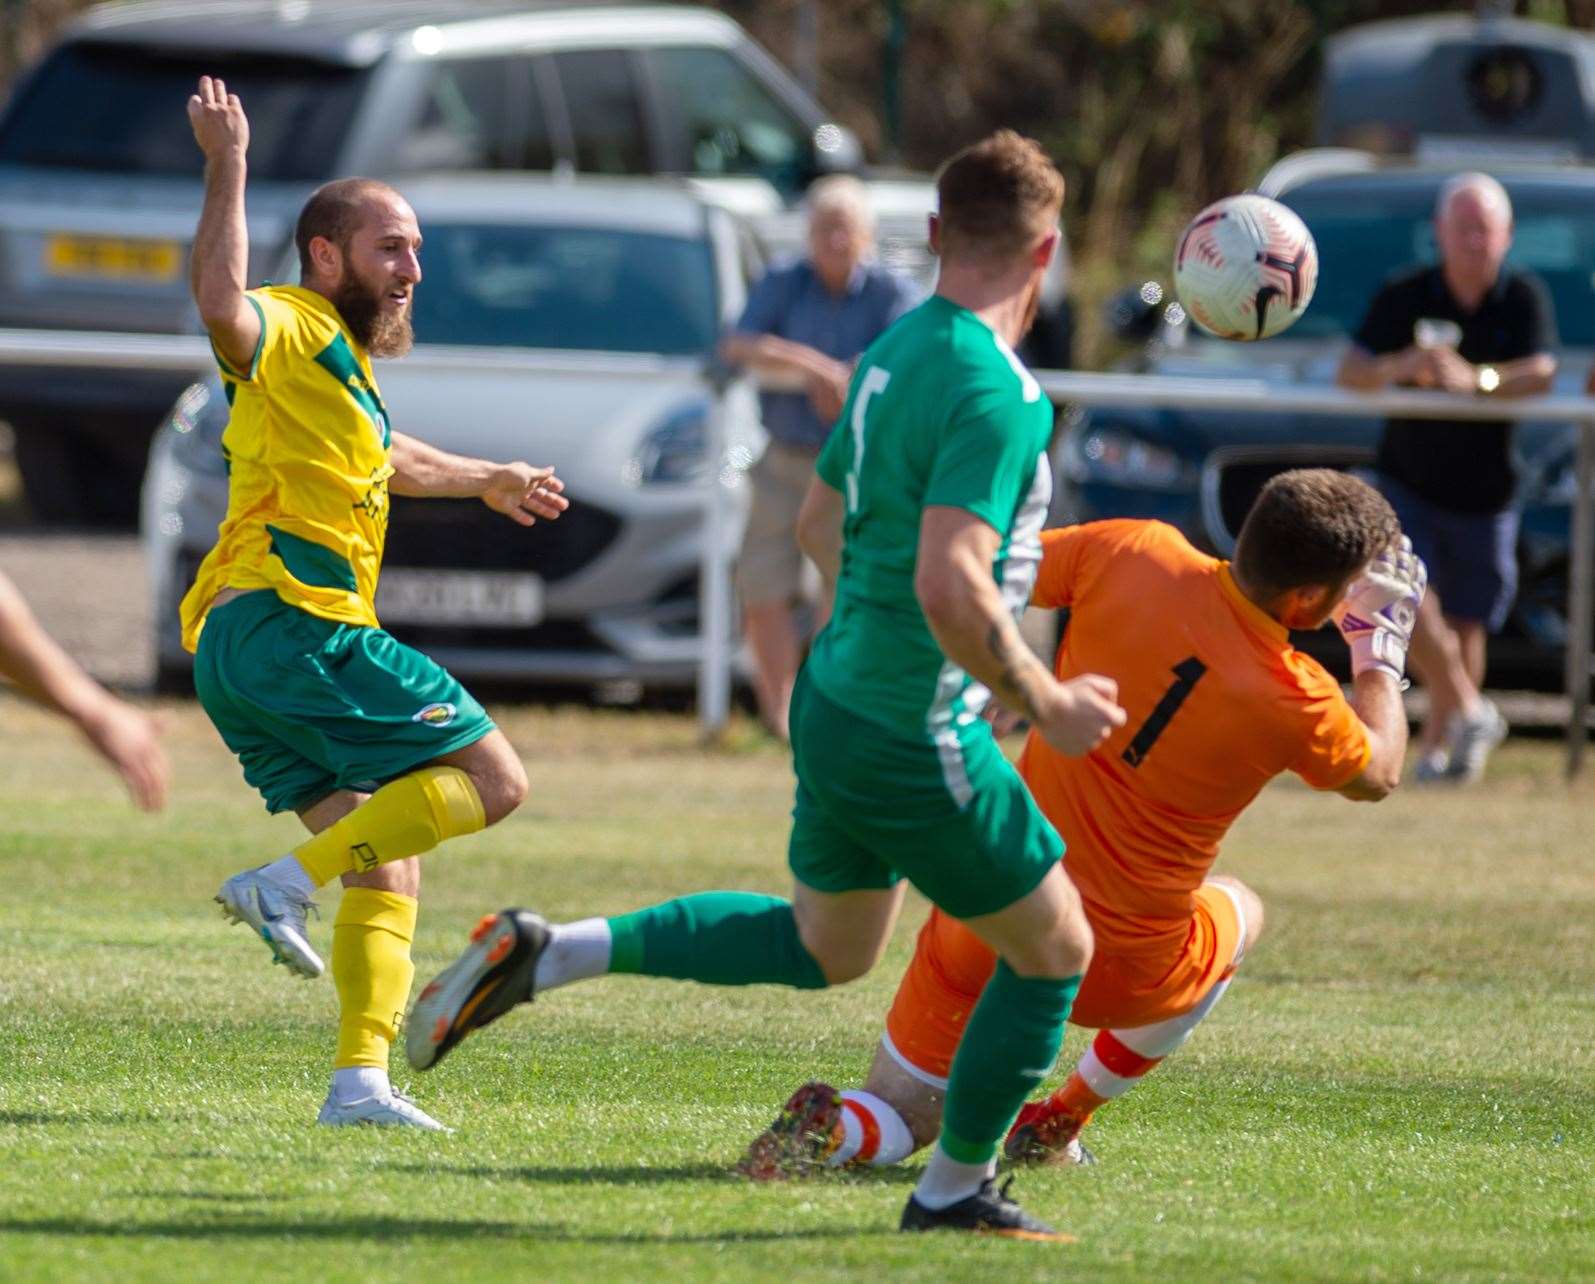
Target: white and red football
1245, 267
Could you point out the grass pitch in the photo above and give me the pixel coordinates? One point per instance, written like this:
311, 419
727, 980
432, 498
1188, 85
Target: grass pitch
1400, 1085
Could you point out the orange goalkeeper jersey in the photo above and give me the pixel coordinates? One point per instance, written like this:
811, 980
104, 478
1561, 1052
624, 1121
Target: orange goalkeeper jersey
1219, 703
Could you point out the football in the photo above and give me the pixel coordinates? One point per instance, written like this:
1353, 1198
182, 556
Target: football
1245, 268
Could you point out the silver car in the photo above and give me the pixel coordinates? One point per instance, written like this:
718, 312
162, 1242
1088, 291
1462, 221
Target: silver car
568, 322
100, 178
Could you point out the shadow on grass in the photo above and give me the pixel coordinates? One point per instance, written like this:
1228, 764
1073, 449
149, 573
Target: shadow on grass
638, 1176
641, 1176
202, 1196
51, 1118
387, 1229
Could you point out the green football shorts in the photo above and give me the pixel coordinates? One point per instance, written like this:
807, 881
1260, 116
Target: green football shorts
955, 819
311, 706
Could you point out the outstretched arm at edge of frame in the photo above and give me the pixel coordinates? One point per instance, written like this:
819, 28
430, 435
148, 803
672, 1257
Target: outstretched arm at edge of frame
124, 736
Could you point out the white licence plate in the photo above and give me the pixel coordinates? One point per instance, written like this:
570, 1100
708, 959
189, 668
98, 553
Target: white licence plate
459, 597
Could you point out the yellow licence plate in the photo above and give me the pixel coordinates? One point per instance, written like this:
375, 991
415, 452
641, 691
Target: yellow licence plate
106, 256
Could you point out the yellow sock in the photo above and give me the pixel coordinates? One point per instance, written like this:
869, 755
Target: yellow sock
372, 971
411, 815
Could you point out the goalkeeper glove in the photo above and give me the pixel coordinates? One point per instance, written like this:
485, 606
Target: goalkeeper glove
1379, 610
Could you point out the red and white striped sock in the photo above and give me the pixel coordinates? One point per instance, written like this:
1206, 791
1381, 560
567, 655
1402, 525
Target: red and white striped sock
872, 1132
1110, 1067
1117, 1059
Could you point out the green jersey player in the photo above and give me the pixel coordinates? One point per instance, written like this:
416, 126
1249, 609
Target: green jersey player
925, 517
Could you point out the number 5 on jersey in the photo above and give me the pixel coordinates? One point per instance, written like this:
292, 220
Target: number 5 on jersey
875, 380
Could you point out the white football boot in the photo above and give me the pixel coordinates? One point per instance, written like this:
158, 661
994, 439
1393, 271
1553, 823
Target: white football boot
1473, 740
394, 1110
1433, 767
277, 915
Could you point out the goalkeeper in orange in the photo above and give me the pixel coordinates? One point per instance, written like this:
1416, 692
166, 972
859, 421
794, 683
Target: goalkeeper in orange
1219, 703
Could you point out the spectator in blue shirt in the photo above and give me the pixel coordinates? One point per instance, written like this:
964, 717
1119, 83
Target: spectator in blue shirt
803, 328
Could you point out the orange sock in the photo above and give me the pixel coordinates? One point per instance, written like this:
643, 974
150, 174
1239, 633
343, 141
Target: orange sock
1076, 1100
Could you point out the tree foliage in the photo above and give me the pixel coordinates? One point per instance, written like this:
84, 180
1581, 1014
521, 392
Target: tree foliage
1152, 108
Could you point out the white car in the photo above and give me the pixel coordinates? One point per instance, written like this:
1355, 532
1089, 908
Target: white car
570, 322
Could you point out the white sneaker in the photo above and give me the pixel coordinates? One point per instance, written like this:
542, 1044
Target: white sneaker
277, 914
1433, 768
392, 1111
1473, 739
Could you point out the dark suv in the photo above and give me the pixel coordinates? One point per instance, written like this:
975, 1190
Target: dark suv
100, 180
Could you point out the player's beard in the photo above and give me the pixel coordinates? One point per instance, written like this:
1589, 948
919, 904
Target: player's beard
381, 333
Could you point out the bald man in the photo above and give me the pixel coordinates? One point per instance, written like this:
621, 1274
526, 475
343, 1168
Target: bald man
378, 749
1467, 325
804, 324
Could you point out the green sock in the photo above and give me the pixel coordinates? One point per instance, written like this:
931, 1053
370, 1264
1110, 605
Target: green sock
719, 938
1008, 1048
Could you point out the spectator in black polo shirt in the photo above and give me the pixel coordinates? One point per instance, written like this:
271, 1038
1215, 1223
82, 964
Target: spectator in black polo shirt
1467, 325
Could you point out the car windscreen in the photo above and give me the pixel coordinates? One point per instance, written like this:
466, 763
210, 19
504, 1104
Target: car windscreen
574, 288
1364, 237
116, 108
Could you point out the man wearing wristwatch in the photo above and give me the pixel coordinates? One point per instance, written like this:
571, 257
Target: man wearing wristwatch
1468, 324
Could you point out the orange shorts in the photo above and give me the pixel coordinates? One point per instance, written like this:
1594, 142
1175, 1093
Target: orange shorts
951, 965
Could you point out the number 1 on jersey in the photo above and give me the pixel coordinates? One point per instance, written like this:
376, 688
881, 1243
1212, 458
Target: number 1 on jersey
1187, 673
875, 380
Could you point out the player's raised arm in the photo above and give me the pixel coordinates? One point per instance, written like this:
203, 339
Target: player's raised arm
1377, 701
1376, 617
220, 262
975, 630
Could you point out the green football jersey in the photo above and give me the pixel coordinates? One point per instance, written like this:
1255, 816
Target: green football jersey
940, 412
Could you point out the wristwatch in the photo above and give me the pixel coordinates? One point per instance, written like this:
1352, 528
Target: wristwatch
1488, 379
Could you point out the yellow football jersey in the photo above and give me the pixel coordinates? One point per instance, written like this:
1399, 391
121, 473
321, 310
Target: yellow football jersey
307, 455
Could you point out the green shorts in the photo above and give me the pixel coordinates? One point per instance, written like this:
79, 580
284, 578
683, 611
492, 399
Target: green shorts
311, 706
872, 807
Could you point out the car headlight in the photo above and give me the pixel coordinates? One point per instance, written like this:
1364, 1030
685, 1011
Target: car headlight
196, 424
674, 450
1092, 454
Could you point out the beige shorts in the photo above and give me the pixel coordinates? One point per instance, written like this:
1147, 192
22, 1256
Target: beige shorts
771, 567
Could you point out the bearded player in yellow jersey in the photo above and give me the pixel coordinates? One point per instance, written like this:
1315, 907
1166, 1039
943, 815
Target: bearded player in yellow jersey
378, 749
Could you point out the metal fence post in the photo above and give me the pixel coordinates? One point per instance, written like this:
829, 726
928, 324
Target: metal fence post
714, 581
1580, 598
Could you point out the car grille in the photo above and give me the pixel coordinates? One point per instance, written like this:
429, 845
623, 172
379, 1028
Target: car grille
1232, 480
465, 534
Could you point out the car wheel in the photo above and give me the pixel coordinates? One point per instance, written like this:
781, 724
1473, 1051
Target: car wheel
174, 678
83, 473
48, 464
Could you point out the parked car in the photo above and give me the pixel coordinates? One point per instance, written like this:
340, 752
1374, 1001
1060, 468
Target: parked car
569, 322
100, 179
1202, 470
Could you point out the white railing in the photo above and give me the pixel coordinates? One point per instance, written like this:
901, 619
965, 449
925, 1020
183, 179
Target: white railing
185, 354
